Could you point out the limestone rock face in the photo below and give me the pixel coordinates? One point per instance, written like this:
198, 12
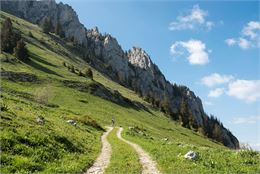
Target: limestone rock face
115, 57
151, 82
35, 12
139, 58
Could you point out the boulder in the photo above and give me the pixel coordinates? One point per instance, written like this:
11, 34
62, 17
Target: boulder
191, 155
72, 122
40, 120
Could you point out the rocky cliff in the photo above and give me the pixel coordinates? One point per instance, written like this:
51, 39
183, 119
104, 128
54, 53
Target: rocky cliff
133, 69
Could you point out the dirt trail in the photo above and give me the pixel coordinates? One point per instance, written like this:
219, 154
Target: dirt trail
104, 158
149, 166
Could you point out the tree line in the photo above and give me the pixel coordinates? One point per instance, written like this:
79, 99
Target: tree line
211, 127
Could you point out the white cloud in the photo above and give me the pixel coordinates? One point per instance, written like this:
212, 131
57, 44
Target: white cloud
249, 37
247, 90
246, 120
251, 29
216, 92
216, 79
194, 18
231, 41
196, 49
243, 43
209, 25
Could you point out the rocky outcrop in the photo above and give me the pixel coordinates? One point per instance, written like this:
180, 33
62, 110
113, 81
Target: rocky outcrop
36, 11
133, 69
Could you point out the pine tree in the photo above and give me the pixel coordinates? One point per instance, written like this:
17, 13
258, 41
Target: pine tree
217, 133
20, 51
183, 114
192, 120
8, 37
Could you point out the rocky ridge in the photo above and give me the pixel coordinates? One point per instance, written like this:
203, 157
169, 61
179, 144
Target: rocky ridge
133, 69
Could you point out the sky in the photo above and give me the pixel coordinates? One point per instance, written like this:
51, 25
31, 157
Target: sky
210, 46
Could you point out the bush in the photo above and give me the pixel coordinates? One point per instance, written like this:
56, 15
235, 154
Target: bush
88, 73
88, 121
30, 34
72, 69
64, 64
43, 95
4, 107
80, 73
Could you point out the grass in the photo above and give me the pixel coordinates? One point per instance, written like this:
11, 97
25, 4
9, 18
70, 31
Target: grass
53, 147
58, 147
169, 156
124, 159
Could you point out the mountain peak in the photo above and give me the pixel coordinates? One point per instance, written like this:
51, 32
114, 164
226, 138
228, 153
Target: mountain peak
138, 57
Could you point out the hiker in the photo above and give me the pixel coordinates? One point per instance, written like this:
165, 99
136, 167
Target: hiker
113, 121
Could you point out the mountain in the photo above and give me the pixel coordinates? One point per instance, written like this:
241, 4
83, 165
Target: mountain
133, 69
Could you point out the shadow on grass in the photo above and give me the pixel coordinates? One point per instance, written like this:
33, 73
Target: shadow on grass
37, 66
40, 59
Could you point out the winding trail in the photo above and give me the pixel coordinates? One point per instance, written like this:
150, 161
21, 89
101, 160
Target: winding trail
103, 159
149, 166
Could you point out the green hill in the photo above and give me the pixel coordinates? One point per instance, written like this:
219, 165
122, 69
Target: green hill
39, 96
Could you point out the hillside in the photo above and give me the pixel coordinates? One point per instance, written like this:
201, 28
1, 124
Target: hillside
38, 97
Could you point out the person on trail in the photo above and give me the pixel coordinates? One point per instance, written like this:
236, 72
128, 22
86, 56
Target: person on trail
113, 121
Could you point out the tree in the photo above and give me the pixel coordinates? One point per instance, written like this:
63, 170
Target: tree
8, 37
192, 121
47, 25
58, 30
20, 51
183, 114
217, 133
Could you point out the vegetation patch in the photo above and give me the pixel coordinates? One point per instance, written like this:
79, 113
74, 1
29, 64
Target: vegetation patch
19, 76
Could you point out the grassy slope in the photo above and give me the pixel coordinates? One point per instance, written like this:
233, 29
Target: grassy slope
23, 109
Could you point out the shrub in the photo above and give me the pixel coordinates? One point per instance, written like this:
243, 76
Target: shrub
80, 73
88, 121
72, 69
30, 34
4, 107
88, 73
43, 95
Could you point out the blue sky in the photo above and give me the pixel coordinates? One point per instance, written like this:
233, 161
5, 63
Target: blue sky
211, 47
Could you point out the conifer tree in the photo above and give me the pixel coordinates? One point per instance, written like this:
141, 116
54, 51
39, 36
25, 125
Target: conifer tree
47, 25
20, 51
8, 37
